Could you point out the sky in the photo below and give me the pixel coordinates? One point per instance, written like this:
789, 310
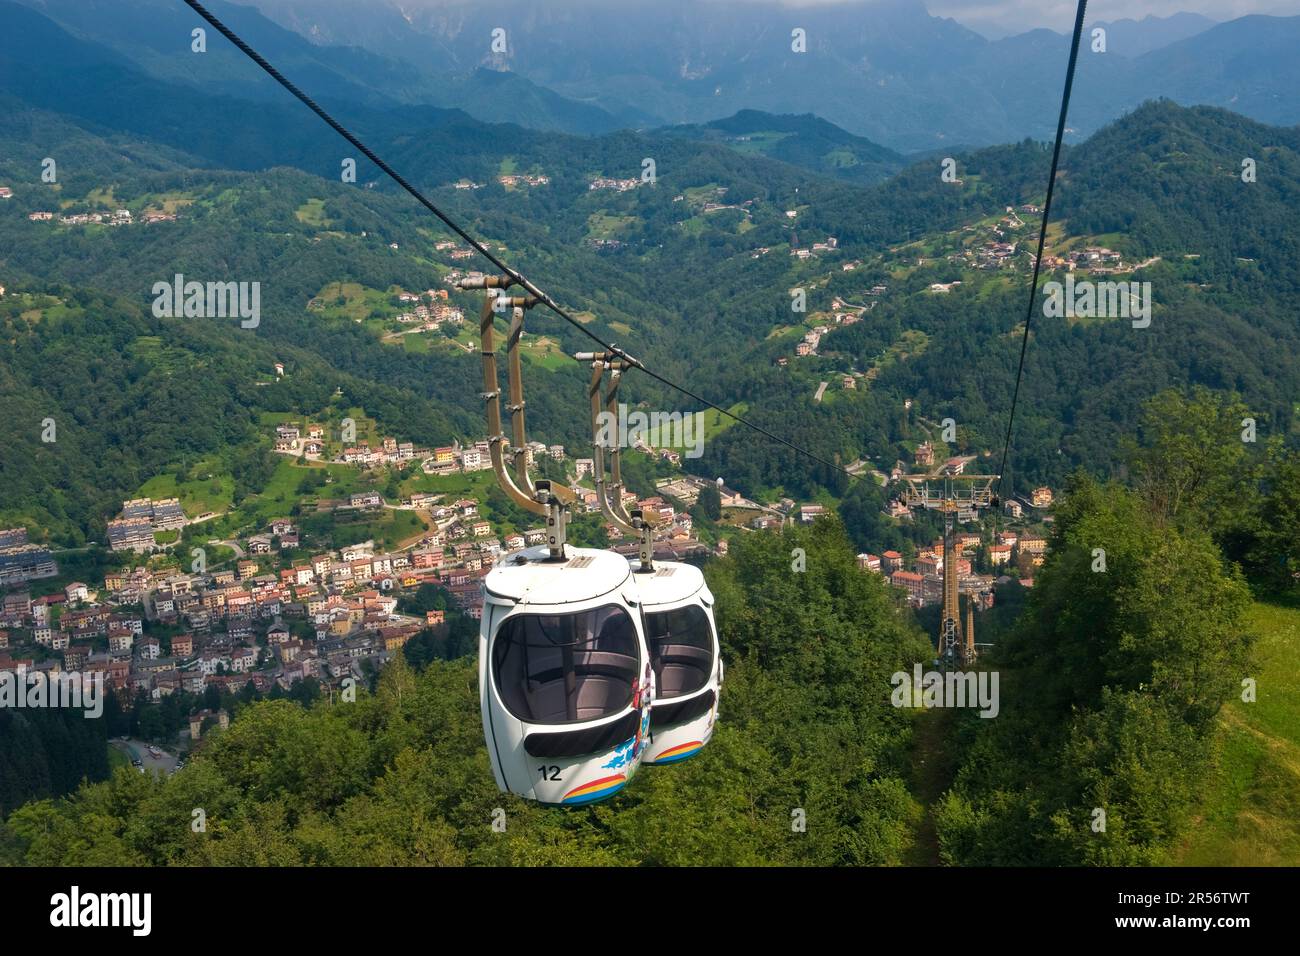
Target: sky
996, 18
1015, 16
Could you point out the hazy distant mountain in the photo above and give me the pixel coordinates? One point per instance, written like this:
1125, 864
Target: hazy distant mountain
886, 70
155, 36
1133, 38
805, 141
1249, 66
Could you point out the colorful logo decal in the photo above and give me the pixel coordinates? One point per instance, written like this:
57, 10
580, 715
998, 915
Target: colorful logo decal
596, 790
680, 752
622, 756
644, 699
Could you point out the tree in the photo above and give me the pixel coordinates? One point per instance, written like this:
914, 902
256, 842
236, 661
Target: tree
710, 502
1274, 553
1191, 454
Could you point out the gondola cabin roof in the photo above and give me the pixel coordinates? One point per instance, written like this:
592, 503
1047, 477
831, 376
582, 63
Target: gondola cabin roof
669, 583
530, 576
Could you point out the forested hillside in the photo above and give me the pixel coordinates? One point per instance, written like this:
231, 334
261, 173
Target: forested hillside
681, 283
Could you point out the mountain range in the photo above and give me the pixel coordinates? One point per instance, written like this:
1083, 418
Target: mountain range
885, 70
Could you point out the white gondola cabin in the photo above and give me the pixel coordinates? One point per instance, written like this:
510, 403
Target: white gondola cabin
565, 677
677, 609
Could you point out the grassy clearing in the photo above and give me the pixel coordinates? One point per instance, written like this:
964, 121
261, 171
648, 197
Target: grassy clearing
760, 143
715, 424
544, 352
351, 300
603, 226
1251, 812
312, 213
388, 529
204, 490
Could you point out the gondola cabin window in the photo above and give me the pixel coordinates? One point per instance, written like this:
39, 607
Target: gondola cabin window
564, 668
681, 650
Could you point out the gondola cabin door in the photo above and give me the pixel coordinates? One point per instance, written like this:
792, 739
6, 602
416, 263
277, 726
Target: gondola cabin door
677, 613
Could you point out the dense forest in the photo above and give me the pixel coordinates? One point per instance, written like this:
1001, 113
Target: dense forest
46, 753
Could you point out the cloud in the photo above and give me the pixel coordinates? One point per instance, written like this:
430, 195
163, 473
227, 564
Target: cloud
991, 17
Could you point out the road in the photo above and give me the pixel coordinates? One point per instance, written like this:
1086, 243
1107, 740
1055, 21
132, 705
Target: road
232, 545
139, 748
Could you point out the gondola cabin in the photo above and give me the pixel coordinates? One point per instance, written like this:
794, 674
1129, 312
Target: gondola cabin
677, 609
564, 675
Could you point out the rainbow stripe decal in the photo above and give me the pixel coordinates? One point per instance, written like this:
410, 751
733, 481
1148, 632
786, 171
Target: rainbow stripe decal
595, 790
680, 752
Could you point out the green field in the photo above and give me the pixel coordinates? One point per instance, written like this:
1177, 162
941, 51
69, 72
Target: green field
1251, 815
419, 343
460, 485
205, 489
388, 529
759, 143
604, 226
716, 423
544, 352
312, 213
351, 300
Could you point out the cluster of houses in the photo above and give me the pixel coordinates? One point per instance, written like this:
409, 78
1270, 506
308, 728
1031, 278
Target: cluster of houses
293, 438
830, 245
618, 185
843, 314
1097, 259
810, 341
160, 631
785, 510
118, 217
430, 307
1001, 250
390, 452
141, 518
277, 616
923, 581
715, 204
22, 561
453, 250
511, 180
454, 458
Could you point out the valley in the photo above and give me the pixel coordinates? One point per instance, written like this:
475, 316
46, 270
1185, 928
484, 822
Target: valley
241, 513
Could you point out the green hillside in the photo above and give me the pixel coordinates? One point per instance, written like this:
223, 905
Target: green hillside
1252, 814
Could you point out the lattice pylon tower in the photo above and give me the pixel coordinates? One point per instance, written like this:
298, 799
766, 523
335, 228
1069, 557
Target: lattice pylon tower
951, 494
